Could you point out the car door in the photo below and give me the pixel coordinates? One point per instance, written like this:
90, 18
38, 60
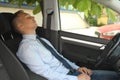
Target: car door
78, 45
81, 49
84, 50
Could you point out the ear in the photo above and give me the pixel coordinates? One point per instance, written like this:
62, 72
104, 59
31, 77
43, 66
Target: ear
20, 27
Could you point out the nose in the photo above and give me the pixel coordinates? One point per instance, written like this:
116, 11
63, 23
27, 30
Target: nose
32, 17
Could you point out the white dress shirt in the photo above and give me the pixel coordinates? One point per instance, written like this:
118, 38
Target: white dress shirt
40, 60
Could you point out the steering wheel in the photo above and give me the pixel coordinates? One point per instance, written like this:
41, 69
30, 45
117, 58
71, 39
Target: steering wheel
109, 49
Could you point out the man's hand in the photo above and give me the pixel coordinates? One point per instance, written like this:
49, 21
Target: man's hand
85, 70
83, 76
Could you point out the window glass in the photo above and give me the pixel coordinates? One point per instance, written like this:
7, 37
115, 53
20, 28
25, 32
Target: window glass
73, 20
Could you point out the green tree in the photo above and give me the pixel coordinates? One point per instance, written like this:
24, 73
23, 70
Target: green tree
37, 8
89, 7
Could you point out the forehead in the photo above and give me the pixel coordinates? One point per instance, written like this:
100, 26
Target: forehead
23, 14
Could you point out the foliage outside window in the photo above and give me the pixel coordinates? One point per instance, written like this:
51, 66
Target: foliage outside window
91, 9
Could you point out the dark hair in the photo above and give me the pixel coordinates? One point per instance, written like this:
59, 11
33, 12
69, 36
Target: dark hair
14, 19
15, 15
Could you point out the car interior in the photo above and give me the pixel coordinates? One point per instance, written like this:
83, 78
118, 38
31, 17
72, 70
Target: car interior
70, 45
13, 69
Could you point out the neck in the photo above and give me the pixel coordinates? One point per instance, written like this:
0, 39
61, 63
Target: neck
29, 32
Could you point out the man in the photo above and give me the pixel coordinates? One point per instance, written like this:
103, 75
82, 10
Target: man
41, 61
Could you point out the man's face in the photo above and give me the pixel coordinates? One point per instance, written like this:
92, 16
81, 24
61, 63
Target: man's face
27, 21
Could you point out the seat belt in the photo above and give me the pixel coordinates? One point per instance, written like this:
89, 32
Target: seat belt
48, 28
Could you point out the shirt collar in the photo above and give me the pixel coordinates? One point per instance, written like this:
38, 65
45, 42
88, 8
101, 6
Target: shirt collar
29, 36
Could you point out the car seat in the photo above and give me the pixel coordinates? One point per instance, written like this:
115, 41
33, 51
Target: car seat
9, 40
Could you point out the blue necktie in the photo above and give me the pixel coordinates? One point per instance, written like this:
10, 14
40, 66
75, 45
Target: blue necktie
65, 63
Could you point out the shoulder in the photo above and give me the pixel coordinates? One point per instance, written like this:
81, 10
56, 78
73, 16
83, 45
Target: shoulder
27, 45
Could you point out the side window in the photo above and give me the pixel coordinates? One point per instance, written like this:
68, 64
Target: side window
74, 21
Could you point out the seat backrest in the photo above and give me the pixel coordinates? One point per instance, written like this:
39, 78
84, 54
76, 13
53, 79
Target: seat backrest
12, 65
7, 33
3, 73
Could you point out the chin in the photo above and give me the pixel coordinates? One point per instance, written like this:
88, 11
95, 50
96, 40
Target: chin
36, 26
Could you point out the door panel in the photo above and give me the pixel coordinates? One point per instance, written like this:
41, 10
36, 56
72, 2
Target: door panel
81, 49
80, 53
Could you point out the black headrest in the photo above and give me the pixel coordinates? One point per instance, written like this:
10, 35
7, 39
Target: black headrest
5, 22
6, 29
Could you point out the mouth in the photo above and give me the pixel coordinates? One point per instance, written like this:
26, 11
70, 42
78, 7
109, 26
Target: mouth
34, 21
